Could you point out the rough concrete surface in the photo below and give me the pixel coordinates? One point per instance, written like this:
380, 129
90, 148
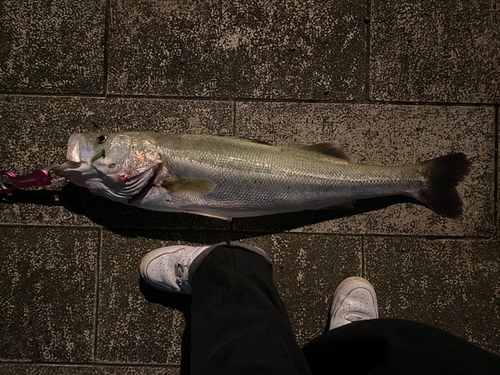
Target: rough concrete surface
48, 282
387, 82
312, 49
435, 51
52, 47
450, 284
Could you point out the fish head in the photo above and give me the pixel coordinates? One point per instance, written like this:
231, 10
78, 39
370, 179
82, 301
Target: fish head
115, 165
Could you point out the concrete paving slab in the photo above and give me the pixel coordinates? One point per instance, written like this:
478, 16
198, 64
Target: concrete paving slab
314, 49
388, 135
48, 283
435, 51
52, 48
30, 369
37, 136
139, 324
450, 284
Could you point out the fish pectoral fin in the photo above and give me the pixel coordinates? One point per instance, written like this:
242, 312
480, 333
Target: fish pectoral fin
191, 188
327, 149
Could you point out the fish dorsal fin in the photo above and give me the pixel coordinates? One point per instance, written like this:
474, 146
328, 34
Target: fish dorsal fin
253, 141
189, 188
327, 149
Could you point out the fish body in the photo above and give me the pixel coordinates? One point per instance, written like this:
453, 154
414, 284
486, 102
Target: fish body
227, 177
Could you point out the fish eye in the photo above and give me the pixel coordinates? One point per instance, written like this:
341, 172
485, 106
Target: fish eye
101, 139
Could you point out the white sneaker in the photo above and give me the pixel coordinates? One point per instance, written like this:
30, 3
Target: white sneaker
167, 268
354, 300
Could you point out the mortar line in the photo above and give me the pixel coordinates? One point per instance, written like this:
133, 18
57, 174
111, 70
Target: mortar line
363, 258
53, 94
495, 172
234, 118
260, 232
368, 21
107, 20
86, 364
251, 100
96, 307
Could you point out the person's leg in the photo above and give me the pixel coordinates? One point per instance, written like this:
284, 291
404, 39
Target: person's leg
239, 324
389, 346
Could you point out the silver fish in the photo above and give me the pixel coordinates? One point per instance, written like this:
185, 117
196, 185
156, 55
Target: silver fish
227, 177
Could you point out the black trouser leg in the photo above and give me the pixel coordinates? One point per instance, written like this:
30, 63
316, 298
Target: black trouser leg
239, 324
394, 346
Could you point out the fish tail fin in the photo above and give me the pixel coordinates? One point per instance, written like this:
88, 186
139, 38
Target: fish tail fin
442, 176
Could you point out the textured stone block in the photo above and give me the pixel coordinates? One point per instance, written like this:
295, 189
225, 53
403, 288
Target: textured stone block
388, 135
435, 51
314, 49
38, 135
450, 284
47, 286
52, 47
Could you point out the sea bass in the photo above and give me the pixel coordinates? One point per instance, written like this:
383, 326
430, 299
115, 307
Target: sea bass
227, 177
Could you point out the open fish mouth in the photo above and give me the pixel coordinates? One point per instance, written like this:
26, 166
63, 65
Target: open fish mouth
78, 158
71, 168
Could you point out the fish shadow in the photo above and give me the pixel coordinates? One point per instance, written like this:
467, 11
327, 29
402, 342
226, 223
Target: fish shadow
116, 216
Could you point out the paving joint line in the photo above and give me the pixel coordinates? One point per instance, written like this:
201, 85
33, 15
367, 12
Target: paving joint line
363, 258
495, 172
251, 100
107, 20
260, 232
86, 364
367, 21
96, 300
234, 118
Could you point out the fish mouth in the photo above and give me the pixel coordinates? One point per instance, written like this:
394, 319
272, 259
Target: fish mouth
78, 158
74, 148
71, 168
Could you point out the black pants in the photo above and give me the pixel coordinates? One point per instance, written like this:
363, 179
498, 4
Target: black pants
239, 326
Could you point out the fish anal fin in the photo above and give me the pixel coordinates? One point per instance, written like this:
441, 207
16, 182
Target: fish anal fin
192, 188
327, 149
